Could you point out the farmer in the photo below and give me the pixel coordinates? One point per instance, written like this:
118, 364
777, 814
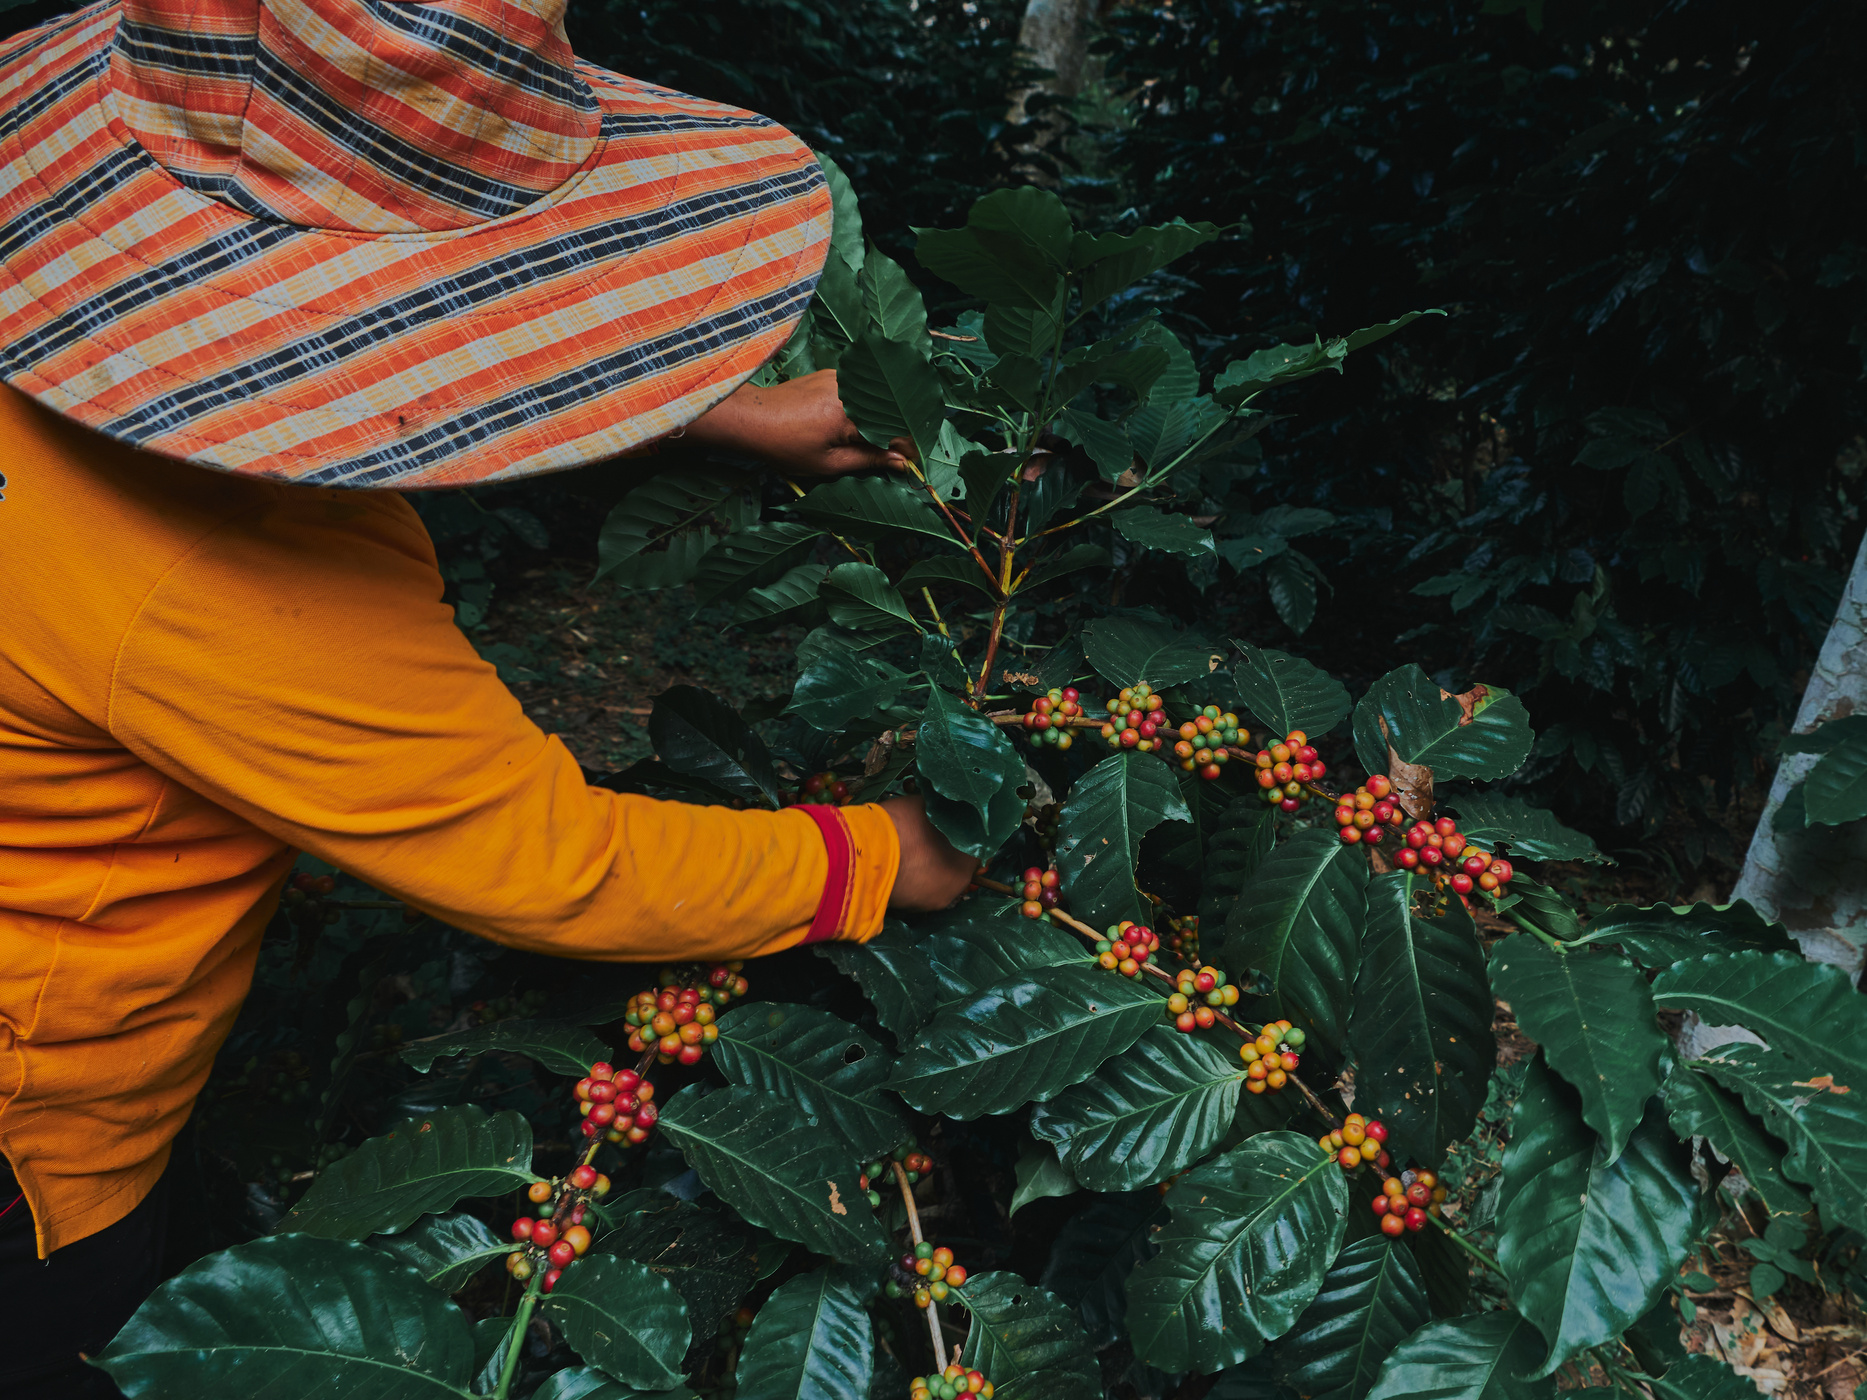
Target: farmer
265, 265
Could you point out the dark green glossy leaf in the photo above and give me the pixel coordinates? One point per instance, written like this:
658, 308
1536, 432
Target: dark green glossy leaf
860, 597
1099, 833
1124, 650
1662, 934
1808, 1011
294, 1318
1115, 260
1287, 692
1588, 1246
892, 301
753, 558
819, 1062
891, 390
1702, 1377
1820, 1109
623, 1318
781, 1172
670, 508
1145, 1114
1491, 819
1427, 728
1835, 790
1697, 1107
1371, 1301
446, 1250
1013, 249
1483, 1357
1095, 1252
1072, 560
1447, 1272
561, 1048
1023, 330
791, 597
1027, 1336
1593, 1015
844, 687
810, 1341
1421, 1029
710, 1258
583, 1383
893, 975
1291, 578
1023, 1041
1107, 445
1155, 529
699, 734
419, 1166
961, 570
874, 507
963, 755
980, 942
1238, 843
1299, 922
1039, 1176
1243, 1254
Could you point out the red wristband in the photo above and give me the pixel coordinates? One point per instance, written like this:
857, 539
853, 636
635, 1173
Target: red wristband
834, 904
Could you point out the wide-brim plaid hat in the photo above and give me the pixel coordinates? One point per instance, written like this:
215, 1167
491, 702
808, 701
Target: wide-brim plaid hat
380, 244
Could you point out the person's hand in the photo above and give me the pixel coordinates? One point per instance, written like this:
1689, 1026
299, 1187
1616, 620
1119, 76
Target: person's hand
799, 427
932, 873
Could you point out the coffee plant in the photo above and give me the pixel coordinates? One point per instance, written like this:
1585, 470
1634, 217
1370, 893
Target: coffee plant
1227, 974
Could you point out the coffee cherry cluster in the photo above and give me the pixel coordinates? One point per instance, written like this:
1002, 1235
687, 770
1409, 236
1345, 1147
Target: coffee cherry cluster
304, 899
823, 789
556, 1237
617, 1104
676, 1021
1198, 998
1205, 741
878, 1173
1358, 1140
1271, 1057
1135, 720
1286, 769
1183, 937
1045, 722
954, 1383
1367, 813
1440, 848
1040, 892
929, 1273
1406, 1200
1126, 948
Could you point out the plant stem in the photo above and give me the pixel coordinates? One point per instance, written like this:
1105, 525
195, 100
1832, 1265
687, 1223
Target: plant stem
515, 1335
991, 654
1152, 479
914, 1229
953, 522
1467, 1246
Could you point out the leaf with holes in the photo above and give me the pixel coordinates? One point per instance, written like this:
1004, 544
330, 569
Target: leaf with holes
1663, 934
294, 1318
1697, 1107
1593, 1015
1806, 1010
781, 1172
699, 734
1023, 1041
623, 1318
1587, 1246
1483, 1357
1099, 833
1372, 1300
447, 1250
1145, 1114
709, 1257
1287, 692
1299, 922
1421, 1028
1427, 728
1094, 1253
560, 1048
819, 1062
1026, 1340
1244, 1252
893, 975
1491, 819
1125, 651
1819, 1108
417, 1167
810, 1341
964, 756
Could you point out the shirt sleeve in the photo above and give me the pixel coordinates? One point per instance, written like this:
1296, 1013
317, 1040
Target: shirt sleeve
299, 668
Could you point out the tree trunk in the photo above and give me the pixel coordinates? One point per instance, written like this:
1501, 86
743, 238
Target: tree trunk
1055, 35
1813, 881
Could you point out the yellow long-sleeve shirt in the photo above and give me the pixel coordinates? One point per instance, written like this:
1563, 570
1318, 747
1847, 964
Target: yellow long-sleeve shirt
201, 673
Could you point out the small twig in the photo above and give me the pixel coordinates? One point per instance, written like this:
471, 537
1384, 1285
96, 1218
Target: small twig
914, 1229
1467, 1245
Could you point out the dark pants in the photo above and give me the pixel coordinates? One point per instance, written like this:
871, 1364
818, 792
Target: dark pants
53, 1309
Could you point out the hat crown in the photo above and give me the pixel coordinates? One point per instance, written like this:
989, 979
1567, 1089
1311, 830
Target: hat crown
372, 116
